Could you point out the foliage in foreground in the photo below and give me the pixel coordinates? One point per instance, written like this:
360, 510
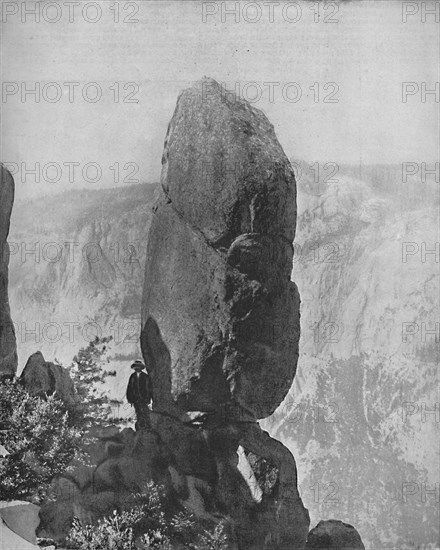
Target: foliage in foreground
42, 434
146, 525
41, 443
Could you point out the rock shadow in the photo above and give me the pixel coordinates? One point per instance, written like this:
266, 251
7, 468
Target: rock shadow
158, 360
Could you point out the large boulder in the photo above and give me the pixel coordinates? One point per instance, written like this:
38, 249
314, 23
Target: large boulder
8, 348
42, 378
334, 535
220, 315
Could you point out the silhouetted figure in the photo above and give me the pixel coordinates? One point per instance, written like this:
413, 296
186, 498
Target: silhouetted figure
140, 394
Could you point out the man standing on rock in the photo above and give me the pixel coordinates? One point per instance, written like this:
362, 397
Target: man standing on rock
140, 394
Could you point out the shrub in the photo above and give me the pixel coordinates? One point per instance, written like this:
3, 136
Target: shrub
114, 532
146, 525
41, 443
216, 539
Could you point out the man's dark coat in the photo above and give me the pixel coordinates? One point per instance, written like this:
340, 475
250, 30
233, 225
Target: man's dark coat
139, 389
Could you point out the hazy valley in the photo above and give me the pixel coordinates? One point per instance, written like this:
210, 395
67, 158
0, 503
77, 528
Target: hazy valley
367, 376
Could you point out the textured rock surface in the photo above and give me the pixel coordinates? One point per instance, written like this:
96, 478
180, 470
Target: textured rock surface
334, 535
8, 349
220, 315
42, 378
199, 468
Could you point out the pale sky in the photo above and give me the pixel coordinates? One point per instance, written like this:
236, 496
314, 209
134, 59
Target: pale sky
360, 61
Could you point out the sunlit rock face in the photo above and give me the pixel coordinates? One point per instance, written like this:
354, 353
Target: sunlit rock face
8, 349
220, 315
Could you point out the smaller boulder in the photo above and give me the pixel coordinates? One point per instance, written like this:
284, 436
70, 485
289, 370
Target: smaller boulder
41, 378
334, 535
9, 540
36, 376
22, 519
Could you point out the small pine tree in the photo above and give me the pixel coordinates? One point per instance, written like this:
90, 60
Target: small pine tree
87, 372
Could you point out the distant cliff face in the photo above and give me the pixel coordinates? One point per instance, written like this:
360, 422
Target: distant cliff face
8, 350
77, 262
366, 270
357, 417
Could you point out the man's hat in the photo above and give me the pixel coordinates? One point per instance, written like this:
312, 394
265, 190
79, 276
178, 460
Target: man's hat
138, 364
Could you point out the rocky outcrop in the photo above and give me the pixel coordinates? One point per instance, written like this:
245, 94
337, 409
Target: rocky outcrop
126, 462
8, 349
220, 315
199, 468
334, 535
41, 378
220, 332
